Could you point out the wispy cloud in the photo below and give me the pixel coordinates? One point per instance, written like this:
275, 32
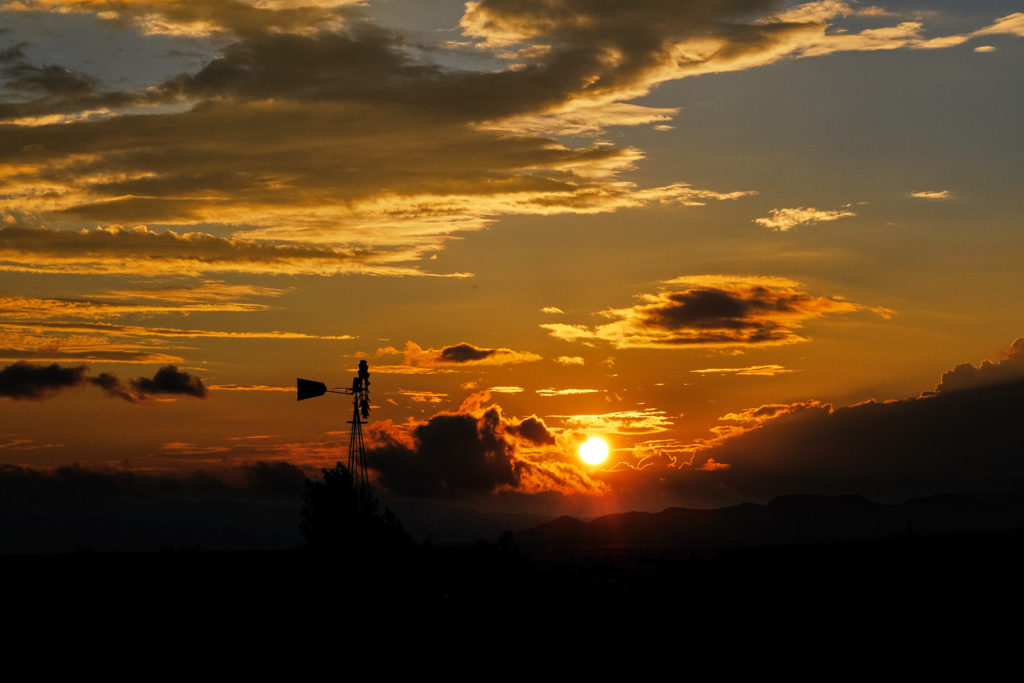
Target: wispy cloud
629, 422
119, 251
249, 387
783, 220
506, 390
423, 396
752, 370
932, 194
143, 331
566, 392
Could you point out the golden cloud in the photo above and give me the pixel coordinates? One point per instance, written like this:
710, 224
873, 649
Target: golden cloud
456, 355
566, 392
626, 422
118, 250
712, 311
782, 220
751, 370
932, 194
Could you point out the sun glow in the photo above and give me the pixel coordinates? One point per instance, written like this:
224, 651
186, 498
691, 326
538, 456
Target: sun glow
593, 451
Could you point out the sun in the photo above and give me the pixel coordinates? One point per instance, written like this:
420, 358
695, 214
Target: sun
593, 451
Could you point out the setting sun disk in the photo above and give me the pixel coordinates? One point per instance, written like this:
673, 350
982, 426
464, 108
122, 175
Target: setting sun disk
593, 451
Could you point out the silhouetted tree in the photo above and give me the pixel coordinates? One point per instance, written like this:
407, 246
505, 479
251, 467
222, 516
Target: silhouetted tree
339, 517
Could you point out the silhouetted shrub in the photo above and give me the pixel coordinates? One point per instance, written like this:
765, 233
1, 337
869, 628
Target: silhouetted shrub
339, 517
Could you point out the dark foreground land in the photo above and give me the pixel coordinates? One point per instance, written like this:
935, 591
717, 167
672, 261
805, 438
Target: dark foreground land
909, 577
830, 564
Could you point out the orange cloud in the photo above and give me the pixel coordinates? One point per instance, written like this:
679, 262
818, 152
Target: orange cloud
752, 370
712, 311
566, 392
456, 355
627, 422
118, 250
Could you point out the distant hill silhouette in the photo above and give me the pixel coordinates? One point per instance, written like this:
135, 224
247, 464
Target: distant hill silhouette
786, 520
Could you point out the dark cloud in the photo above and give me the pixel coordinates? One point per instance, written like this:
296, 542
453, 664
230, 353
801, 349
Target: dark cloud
113, 386
479, 453
965, 376
13, 54
169, 380
604, 49
48, 80
464, 353
713, 310
533, 430
24, 380
453, 454
967, 440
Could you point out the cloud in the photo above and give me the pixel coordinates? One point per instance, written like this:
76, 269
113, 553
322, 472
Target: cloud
533, 430
50, 80
119, 251
565, 392
603, 52
27, 381
22, 307
932, 194
325, 80
423, 396
964, 437
169, 380
505, 390
627, 422
782, 220
453, 454
569, 360
475, 451
965, 376
985, 48
249, 387
200, 19
712, 311
552, 310
24, 380
378, 155
955, 441
457, 355
751, 370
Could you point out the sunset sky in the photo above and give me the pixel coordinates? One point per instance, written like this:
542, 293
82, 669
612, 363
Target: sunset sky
751, 244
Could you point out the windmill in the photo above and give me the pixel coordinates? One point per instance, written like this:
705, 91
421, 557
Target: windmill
360, 392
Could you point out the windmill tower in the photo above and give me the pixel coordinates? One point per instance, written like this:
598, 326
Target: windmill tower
360, 393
